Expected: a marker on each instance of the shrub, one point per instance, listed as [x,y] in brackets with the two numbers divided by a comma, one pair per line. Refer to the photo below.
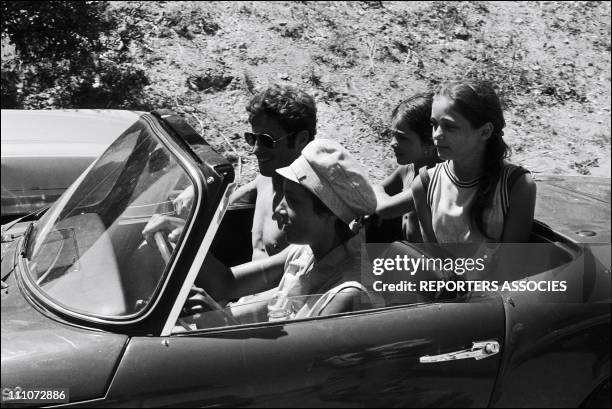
[68,54]
[55,30]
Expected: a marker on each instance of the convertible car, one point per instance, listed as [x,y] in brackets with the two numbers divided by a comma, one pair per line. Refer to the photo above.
[44,151]
[104,318]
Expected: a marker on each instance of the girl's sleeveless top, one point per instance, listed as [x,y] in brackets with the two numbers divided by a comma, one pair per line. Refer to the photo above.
[451,200]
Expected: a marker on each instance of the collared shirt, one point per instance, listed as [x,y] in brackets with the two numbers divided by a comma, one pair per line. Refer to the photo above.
[305,280]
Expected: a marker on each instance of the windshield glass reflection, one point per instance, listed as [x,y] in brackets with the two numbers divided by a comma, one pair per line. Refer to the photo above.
[88,253]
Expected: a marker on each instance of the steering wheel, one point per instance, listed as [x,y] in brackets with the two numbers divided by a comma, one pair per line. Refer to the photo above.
[198,300]
[163,245]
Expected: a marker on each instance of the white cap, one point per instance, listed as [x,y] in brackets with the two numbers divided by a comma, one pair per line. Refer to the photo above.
[334,176]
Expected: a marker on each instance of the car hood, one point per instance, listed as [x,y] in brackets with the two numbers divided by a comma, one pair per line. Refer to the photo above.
[64,133]
[576,206]
[43,152]
[33,142]
[39,351]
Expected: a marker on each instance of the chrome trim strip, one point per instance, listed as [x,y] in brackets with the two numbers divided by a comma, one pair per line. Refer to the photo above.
[197,262]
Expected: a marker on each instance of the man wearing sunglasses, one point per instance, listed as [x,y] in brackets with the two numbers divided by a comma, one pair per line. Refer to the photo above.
[283,120]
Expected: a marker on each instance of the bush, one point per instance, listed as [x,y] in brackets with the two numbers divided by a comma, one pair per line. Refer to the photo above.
[68,54]
[56,30]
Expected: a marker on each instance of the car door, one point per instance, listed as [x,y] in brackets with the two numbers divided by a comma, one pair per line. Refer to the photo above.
[396,356]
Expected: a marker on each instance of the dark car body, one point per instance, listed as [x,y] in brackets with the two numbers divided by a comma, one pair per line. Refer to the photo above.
[554,349]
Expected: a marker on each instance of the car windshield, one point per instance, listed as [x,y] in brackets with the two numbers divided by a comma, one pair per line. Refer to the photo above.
[88,253]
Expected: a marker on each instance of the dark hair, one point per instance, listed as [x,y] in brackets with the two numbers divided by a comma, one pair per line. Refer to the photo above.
[295,110]
[478,103]
[415,112]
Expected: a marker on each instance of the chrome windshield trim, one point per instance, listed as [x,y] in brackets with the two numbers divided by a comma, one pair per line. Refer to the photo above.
[198,261]
[194,173]
[26,239]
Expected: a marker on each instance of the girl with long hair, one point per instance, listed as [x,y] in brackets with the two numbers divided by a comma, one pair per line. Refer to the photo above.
[475,195]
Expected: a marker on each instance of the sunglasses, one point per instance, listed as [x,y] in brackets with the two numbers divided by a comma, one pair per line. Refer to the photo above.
[263,138]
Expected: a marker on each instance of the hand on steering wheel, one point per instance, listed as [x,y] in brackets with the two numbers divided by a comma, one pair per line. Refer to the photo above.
[182,203]
[199,301]
[161,231]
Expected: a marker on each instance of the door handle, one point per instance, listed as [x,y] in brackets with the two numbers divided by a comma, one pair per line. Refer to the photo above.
[479,350]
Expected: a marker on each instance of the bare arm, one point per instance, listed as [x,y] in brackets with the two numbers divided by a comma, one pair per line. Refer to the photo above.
[519,220]
[224,283]
[258,275]
[517,229]
[395,206]
[245,193]
[391,185]
[343,301]
[392,200]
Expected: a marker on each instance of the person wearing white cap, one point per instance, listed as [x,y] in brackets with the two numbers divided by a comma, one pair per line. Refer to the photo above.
[323,190]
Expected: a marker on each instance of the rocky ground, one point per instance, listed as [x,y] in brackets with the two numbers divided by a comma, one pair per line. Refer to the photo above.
[549,59]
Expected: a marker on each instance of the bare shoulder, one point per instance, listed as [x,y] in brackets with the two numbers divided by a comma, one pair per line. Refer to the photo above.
[260,180]
[525,187]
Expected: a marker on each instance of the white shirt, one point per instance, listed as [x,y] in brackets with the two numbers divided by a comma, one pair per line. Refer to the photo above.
[305,280]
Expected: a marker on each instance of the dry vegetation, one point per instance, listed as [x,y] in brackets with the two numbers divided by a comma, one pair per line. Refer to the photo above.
[550,61]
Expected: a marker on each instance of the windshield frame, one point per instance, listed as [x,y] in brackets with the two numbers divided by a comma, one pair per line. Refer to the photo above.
[196,176]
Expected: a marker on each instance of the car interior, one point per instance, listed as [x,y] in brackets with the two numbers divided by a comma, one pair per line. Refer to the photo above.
[128,293]
[549,252]
[134,277]
[236,227]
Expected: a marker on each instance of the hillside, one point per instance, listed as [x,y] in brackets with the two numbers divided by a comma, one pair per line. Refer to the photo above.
[550,60]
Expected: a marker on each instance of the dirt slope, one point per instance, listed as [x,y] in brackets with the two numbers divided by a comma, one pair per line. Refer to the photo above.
[551,61]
